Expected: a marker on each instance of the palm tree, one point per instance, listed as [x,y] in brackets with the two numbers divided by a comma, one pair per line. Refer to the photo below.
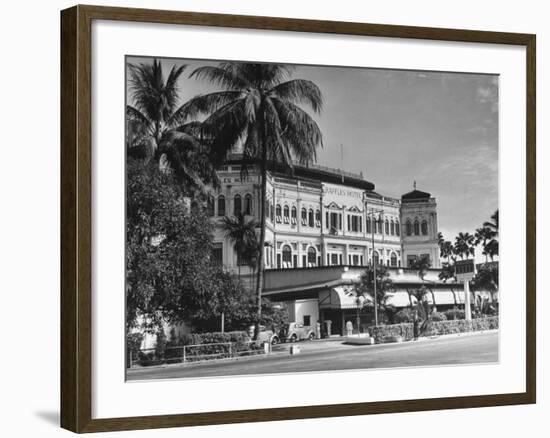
[241,231]
[491,248]
[422,265]
[445,247]
[384,288]
[464,245]
[440,239]
[448,273]
[493,223]
[483,236]
[258,110]
[155,129]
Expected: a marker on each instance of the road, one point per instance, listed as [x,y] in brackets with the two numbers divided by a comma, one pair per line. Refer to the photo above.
[335,355]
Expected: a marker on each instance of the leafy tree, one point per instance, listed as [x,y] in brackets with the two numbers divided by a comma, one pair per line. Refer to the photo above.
[258,109]
[155,128]
[169,272]
[384,288]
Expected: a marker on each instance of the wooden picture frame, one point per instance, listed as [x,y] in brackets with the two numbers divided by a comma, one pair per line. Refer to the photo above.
[76,218]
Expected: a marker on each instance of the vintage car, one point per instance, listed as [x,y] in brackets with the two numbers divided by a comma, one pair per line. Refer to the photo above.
[295,331]
[265,335]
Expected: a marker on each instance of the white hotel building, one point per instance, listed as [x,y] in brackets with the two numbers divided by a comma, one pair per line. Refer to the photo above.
[323,226]
[327,217]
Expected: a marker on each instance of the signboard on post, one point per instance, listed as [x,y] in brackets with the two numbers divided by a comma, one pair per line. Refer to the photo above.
[465,271]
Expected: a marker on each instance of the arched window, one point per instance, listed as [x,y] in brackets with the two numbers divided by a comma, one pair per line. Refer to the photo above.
[387,227]
[267,204]
[369,225]
[248,204]
[392,227]
[408,227]
[294,214]
[393,259]
[397,228]
[318,218]
[376,258]
[210,206]
[287,257]
[221,205]
[304,216]
[311,220]
[416,228]
[278,213]
[286,214]
[237,207]
[424,227]
[379,226]
[311,256]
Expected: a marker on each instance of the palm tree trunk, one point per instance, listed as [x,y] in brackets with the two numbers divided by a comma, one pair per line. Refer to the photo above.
[260,272]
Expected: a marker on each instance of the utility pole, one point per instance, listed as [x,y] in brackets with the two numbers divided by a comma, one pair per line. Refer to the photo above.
[374,263]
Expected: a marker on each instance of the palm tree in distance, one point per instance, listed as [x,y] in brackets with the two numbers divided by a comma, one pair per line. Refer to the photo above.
[155,128]
[241,231]
[464,245]
[258,109]
[493,223]
[483,237]
[422,265]
[491,248]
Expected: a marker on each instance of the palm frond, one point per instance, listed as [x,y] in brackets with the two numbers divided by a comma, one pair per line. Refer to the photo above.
[202,104]
[300,91]
[299,130]
[224,77]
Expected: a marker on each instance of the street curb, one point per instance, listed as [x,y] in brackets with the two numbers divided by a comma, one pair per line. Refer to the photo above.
[342,340]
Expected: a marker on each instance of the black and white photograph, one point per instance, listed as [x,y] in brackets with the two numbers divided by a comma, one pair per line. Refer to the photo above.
[287,218]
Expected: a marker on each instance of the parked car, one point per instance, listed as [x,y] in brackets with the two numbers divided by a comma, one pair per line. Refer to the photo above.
[265,335]
[295,331]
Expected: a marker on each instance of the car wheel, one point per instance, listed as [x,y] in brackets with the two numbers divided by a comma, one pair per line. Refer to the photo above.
[274,340]
[311,336]
[293,338]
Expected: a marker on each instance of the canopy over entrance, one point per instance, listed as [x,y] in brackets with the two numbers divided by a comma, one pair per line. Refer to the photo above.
[341,297]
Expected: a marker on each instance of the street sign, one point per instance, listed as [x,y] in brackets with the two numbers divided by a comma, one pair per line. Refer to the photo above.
[464,269]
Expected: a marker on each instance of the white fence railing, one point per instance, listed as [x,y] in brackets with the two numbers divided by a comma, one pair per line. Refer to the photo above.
[195,353]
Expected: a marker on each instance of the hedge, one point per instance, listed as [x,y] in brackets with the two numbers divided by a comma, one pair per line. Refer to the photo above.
[205,346]
[436,328]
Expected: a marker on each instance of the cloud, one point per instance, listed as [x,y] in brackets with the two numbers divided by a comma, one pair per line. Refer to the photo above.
[488,95]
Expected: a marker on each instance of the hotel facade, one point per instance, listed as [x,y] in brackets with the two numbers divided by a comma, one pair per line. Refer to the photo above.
[323,227]
[326,217]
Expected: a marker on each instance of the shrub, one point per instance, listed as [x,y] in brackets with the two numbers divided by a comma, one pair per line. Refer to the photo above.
[455,313]
[404,316]
[438,316]
[382,333]
[207,345]
[133,345]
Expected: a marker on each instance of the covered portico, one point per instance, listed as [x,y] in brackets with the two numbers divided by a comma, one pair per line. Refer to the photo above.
[333,288]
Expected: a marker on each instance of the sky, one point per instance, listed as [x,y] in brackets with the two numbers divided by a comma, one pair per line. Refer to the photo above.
[439,129]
